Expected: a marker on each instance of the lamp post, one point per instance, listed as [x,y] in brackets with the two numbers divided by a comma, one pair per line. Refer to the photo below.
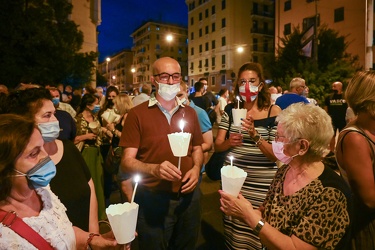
[107,61]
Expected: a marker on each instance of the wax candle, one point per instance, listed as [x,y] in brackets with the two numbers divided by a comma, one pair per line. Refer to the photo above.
[136,180]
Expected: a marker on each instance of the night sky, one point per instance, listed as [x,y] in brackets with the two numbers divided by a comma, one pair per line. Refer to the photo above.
[121,17]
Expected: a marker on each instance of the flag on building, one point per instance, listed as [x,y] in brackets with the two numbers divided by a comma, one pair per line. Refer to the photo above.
[307,41]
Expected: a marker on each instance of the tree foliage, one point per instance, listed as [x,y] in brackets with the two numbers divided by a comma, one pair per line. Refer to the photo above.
[333,64]
[40,44]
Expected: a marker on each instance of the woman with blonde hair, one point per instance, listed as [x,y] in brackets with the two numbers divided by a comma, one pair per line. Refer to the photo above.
[121,105]
[355,155]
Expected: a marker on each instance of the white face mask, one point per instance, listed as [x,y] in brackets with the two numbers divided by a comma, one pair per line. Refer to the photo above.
[168,92]
[278,150]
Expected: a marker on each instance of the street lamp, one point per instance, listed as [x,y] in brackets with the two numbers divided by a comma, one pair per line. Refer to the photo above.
[114,79]
[169,38]
[107,61]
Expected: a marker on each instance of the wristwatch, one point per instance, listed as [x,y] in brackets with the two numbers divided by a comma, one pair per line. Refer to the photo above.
[258,227]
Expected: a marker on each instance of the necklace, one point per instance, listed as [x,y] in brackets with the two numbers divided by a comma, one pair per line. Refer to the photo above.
[295,178]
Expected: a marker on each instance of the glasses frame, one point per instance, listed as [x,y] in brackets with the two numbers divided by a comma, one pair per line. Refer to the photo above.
[173,76]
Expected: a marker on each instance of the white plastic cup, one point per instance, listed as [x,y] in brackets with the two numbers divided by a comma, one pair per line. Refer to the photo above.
[123,221]
[232,179]
[94,127]
[237,115]
[179,143]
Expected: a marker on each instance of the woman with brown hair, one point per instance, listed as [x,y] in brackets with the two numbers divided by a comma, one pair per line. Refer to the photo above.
[251,149]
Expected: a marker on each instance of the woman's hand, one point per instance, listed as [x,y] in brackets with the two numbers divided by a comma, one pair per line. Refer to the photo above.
[110,126]
[238,207]
[248,125]
[235,139]
[90,136]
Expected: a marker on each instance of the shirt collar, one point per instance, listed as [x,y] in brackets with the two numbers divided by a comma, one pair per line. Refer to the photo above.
[153,101]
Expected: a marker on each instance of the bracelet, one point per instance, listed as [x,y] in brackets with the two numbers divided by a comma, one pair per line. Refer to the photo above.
[259,227]
[114,131]
[89,239]
[259,142]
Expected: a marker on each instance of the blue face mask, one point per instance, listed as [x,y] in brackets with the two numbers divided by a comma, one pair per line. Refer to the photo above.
[50,130]
[96,109]
[41,174]
[56,101]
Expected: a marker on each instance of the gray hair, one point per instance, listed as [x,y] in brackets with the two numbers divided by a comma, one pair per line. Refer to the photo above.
[296,82]
[310,122]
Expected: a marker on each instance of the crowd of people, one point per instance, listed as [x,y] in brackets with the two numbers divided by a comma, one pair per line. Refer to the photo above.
[63,151]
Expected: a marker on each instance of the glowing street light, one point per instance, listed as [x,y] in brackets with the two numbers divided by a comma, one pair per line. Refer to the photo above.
[240,49]
[169,38]
[107,61]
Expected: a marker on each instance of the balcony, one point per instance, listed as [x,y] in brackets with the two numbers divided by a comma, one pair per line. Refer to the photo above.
[262,31]
[265,14]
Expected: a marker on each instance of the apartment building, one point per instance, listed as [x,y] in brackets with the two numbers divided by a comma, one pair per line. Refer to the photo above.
[117,70]
[352,19]
[87,15]
[153,40]
[224,34]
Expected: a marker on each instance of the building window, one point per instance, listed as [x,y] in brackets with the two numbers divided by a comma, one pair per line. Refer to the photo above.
[287,29]
[206,46]
[223,41]
[213,80]
[287,5]
[157,37]
[213,61]
[223,80]
[308,22]
[255,59]
[191,65]
[213,44]
[265,46]
[223,59]
[339,14]
[223,4]
[206,13]
[223,23]
[206,63]
[265,28]
[255,44]
[192,21]
[192,36]
[157,28]
[200,16]
[200,48]
[200,64]
[213,10]
[206,30]
[200,32]
[213,27]
[192,51]
[255,8]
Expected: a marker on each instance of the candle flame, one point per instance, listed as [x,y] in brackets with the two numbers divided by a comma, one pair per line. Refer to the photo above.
[137,178]
[182,125]
[238,98]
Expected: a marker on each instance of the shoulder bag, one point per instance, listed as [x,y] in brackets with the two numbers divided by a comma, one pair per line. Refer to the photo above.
[12,221]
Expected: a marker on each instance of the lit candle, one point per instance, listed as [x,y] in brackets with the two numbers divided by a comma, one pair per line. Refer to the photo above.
[182,124]
[136,180]
[231,160]
[238,102]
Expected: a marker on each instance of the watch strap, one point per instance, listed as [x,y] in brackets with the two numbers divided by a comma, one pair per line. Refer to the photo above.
[259,227]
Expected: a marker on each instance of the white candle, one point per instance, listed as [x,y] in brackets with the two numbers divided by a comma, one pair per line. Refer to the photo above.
[182,124]
[136,180]
[231,160]
[238,102]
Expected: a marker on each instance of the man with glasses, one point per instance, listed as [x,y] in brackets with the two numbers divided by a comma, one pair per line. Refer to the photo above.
[296,93]
[168,197]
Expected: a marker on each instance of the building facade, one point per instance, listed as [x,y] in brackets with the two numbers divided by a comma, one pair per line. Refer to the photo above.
[224,34]
[117,70]
[153,40]
[352,19]
[87,15]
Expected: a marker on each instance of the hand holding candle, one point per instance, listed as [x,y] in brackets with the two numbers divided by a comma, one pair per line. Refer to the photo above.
[179,142]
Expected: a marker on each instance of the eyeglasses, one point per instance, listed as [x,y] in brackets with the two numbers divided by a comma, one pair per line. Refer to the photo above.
[277,137]
[165,76]
[244,81]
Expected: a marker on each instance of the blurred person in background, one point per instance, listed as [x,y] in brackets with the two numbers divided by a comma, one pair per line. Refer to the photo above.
[222,103]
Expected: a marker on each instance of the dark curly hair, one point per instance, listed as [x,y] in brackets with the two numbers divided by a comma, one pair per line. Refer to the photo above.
[15,133]
[264,97]
[26,102]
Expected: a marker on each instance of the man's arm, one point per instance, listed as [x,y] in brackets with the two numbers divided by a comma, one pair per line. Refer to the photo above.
[192,176]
